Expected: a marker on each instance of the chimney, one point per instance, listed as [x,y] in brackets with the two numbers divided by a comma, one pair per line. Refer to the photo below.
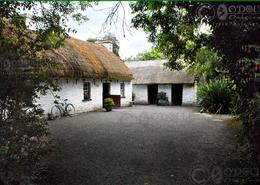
[112,46]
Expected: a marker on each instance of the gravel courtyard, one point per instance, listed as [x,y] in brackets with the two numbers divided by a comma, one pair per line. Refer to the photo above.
[140,145]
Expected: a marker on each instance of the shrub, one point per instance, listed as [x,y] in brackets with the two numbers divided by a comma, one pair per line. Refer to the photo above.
[109,102]
[215,96]
[23,144]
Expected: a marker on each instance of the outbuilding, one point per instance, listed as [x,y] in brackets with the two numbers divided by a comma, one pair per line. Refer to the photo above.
[151,77]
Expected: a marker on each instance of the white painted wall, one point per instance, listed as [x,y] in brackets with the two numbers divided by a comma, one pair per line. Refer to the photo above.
[141,94]
[167,89]
[128,94]
[74,93]
[189,94]
[115,90]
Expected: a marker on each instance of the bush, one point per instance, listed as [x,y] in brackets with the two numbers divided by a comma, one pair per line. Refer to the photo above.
[23,144]
[215,96]
[109,102]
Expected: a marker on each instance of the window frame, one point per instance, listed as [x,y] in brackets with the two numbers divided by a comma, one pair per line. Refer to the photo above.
[122,91]
[88,89]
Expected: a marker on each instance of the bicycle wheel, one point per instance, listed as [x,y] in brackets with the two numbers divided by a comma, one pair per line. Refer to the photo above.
[56,112]
[70,109]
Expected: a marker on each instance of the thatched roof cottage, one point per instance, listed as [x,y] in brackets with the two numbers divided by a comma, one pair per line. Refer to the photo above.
[151,77]
[88,73]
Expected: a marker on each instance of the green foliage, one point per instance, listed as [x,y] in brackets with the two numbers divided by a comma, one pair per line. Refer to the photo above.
[151,54]
[171,28]
[215,96]
[206,64]
[23,142]
[109,102]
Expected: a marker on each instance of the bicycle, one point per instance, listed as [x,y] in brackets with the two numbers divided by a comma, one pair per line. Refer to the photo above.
[62,108]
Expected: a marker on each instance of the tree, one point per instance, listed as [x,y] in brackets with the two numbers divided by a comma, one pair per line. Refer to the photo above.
[151,54]
[24,75]
[170,28]
[206,64]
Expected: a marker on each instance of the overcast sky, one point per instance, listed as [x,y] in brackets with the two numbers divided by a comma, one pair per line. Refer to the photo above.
[134,42]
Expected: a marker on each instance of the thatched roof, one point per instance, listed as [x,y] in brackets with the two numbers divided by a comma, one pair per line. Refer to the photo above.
[153,72]
[86,59]
[76,59]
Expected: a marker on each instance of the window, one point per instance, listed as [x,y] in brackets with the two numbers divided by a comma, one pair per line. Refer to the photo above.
[86,91]
[122,89]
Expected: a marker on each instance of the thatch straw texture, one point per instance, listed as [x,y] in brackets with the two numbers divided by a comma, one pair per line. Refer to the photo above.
[153,72]
[76,58]
[86,59]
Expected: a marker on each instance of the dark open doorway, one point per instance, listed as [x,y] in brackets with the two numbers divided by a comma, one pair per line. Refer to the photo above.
[177,94]
[106,91]
[152,93]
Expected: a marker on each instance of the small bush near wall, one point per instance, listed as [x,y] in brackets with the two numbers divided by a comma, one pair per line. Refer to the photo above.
[108,104]
[215,96]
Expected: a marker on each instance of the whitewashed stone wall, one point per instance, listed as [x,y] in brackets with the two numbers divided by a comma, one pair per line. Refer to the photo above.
[141,94]
[115,90]
[189,94]
[128,94]
[73,91]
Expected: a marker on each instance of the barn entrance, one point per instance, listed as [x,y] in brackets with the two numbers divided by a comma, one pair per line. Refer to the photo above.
[106,91]
[152,93]
[177,94]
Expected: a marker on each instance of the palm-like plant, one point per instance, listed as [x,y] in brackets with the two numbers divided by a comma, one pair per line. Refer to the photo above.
[215,96]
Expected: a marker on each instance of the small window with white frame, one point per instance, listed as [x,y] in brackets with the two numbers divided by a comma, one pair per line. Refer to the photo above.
[86,91]
[122,89]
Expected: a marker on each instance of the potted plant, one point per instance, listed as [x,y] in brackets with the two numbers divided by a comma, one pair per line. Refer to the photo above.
[108,104]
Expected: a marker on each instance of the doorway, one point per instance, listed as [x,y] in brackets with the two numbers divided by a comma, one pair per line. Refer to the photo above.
[106,91]
[152,93]
[177,94]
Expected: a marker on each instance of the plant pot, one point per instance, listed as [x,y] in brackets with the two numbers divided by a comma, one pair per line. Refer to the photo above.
[108,108]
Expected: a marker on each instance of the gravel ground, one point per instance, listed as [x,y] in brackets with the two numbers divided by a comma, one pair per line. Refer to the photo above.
[140,145]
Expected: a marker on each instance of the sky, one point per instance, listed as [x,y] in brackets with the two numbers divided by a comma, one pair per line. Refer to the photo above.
[134,41]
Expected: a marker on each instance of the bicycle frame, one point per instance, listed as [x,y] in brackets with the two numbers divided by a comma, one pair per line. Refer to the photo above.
[61,104]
